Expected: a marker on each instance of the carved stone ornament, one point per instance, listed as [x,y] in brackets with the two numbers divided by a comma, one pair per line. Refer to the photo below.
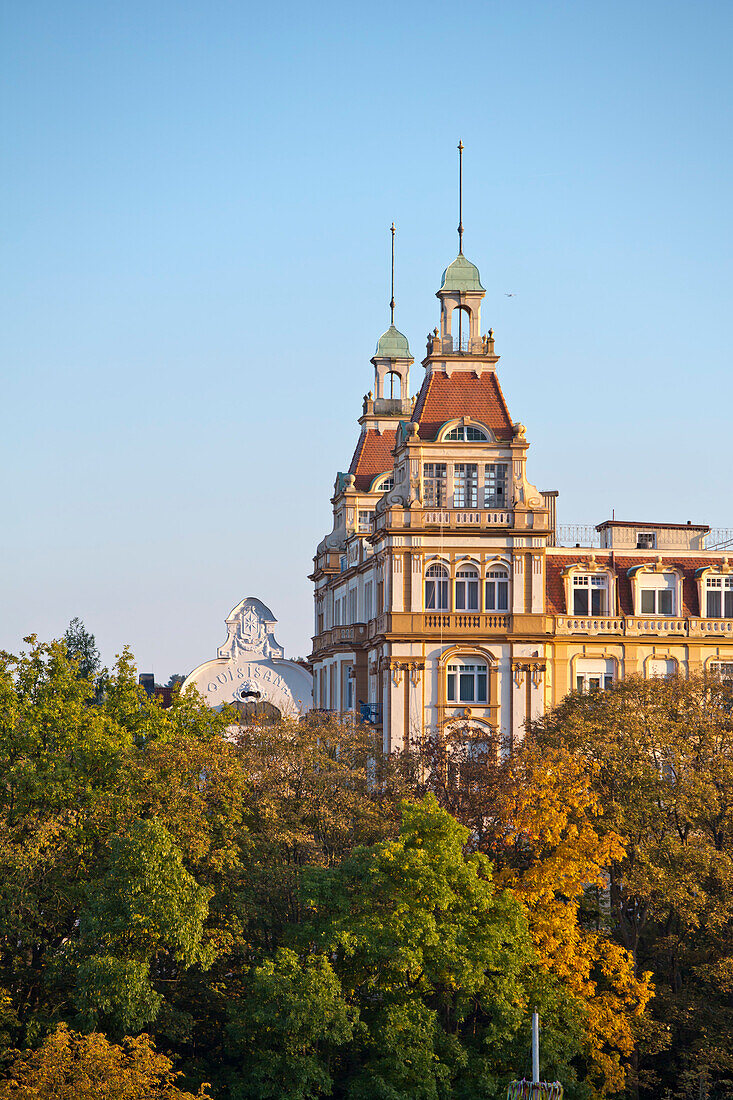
[252,666]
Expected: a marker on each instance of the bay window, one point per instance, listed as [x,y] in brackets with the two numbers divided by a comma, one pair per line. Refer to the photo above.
[495,484]
[465,485]
[434,484]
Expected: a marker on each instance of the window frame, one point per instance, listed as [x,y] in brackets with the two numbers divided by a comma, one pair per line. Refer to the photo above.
[459,673]
[465,485]
[582,582]
[466,433]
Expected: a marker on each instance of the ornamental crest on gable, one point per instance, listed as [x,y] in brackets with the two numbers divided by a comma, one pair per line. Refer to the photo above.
[250,631]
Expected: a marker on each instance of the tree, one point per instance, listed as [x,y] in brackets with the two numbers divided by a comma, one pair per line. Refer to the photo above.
[412,979]
[81,647]
[535,815]
[659,758]
[69,1066]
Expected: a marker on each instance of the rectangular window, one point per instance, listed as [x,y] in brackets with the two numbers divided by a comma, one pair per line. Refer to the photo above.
[380,597]
[434,483]
[497,591]
[591,681]
[465,486]
[646,540]
[352,605]
[365,521]
[337,612]
[495,484]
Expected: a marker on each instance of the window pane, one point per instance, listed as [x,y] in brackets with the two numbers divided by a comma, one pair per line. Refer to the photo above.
[442,595]
[729,605]
[466,687]
[580,604]
[579,683]
[599,601]
[481,687]
[430,595]
[451,687]
[460,595]
[714,605]
[490,596]
[502,592]
[473,595]
[607,681]
[647,601]
[664,601]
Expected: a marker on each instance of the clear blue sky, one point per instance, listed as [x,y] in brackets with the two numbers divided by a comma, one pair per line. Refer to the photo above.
[195,200]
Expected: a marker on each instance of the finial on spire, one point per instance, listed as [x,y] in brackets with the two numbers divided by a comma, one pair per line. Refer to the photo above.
[460,198]
[391,301]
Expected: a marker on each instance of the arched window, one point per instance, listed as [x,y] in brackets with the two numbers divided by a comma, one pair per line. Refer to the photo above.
[467,589]
[497,589]
[385,484]
[467,681]
[460,327]
[466,433]
[436,588]
[392,385]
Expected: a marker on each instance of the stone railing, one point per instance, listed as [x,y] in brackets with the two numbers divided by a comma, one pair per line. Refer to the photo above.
[637,626]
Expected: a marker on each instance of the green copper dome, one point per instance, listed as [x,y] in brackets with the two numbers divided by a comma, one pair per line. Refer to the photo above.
[461,275]
[392,345]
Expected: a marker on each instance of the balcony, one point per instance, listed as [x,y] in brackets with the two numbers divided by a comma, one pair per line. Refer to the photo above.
[370,713]
[637,626]
[344,637]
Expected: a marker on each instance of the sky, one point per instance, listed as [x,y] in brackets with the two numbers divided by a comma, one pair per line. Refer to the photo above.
[195,204]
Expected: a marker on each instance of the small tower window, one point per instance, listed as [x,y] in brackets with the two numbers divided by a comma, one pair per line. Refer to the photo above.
[393,386]
[436,588]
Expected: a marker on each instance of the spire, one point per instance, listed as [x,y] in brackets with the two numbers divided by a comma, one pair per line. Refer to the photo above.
[460,198]
[391,301]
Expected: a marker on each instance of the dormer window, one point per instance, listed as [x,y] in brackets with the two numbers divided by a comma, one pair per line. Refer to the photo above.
[590,594]
[466,433]
[386,484]
[657,592]
[719,597]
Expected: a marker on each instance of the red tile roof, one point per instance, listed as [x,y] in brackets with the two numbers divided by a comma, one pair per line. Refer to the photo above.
[373,456]
[556,587]
[463,394]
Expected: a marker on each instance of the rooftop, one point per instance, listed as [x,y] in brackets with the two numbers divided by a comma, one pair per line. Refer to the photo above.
[461,275]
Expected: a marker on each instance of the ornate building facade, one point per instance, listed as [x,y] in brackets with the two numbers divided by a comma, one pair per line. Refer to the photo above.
[441,593]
